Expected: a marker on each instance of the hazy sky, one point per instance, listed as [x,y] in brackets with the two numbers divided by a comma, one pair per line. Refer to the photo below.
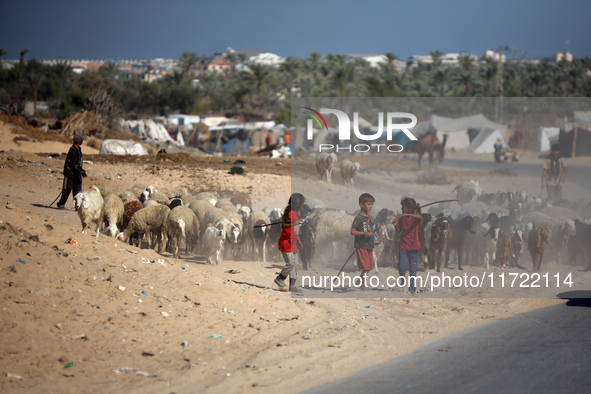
[139,29]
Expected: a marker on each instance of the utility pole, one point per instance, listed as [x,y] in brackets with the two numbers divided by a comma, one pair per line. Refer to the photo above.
[499,103]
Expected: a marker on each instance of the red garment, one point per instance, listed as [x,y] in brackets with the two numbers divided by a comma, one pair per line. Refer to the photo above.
[364,259]
[288,239]
[409,234]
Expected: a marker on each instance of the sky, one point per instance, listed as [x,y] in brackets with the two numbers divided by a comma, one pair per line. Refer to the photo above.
[147,29]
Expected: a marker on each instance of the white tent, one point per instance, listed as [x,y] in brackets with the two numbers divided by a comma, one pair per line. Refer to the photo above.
[457,129]
[149,130]
[485,140]
[122,148]
[545,136]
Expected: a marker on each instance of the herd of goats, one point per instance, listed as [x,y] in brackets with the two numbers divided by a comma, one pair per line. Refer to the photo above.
[483,229]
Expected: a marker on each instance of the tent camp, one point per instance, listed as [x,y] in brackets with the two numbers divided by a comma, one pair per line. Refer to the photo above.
[457,129]
[122,148]
[546,137]
[148,130]
[485,140]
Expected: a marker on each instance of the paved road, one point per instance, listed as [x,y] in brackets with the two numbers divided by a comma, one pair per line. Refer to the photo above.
[579,173]
[543,351]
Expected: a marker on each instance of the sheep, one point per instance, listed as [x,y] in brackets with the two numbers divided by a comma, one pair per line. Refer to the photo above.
[348,172]
[181,223]
[128,196]
[113,213]
[308,238]
[89,205]
[243,199]
[213,216]
[314,202]
[140,186]
[324,165]
[150,190]
[205,196]
[562,213]
[145,220]
[200,208]
[213,240]
[150,203]
[106,190]
[235,234]
[440,231]
[175,202]
[561,227]
[467,191]
[579,243]
[159,197]
[129,208]
[536,244]
[275,216]
[560,238]
[504,248]
[225,205]
[334,226]
[259,235]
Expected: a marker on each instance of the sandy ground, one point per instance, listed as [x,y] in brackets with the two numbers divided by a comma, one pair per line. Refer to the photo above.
[103,316]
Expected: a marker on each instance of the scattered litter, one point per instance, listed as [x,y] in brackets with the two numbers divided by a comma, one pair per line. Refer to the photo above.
[236,170]
[239,161]
[29,254]
[143,260]
[21,261]
[243,289]
[227,160]
[216,336]
[81,336]
[68,365]
[121,288]
[185,344]
[121,371]
[367,306]
[13,376]
[182,268]
[232,272]
[10,205]
[144,292]
[164,314]
[147,354]
[131,251]
[161,262]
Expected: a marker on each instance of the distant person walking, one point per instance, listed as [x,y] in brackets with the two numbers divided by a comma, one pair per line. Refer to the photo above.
[73,172]
[554,174]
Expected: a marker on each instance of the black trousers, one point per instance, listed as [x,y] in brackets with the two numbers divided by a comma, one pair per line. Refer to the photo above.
[70,185]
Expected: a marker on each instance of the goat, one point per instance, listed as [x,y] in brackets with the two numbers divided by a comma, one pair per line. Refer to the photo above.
[459,228]
[382,232]
[440,231]
[516,247]
[504,248]
[348,172]
[536,244]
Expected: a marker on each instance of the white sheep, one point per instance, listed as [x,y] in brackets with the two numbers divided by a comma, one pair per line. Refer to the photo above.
[128,196]
[213,240]
[200,208]
[205,196]
[467,191]
[333,226]
[324,164]
[89,205]
[159,197]
[146,220]
[150,203]
[348,172]
[113,214]
[181,224]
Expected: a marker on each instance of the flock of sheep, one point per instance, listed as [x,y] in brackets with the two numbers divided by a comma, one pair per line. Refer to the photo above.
[205,220]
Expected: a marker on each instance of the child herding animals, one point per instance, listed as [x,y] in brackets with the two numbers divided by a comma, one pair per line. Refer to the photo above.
[408,227]
[363,230]
[289,241]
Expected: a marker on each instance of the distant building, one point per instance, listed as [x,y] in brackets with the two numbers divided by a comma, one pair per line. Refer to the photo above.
[564,55]
[490,54]
[267,59]
[220,65]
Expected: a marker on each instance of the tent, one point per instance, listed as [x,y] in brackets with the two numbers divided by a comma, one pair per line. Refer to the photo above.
[583,143]
[148,130]
[485,140]
[122,148]
[457,129]
[546,136]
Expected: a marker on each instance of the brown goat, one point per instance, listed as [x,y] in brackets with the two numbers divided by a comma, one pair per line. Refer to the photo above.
[536,244]
[504,248]
[242,199]
[438,241]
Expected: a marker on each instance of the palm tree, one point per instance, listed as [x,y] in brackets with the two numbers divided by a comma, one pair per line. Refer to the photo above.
[289,72]
[188,60]
[391,57]
[466,62]
[2,52]
[34,75]
[22,57]
[261,75]
[436,57]
[467,79]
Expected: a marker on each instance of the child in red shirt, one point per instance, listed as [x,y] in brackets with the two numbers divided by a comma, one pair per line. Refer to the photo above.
[408,227]
[289,241]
